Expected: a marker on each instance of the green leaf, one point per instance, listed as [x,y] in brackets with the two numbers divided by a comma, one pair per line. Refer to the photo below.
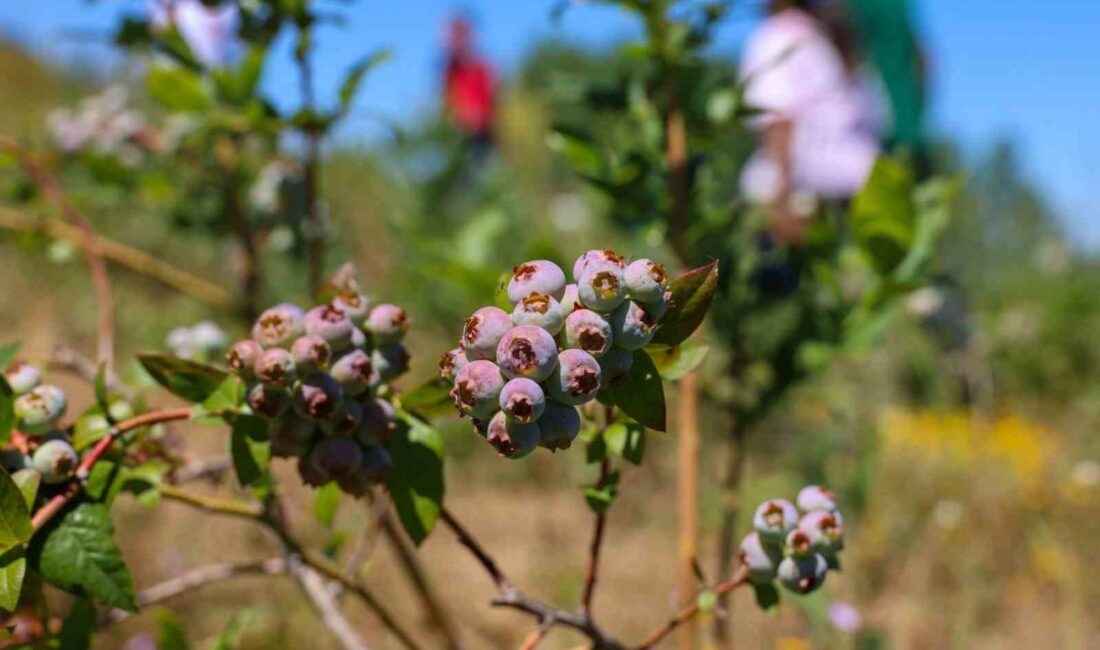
[105,481]
[767,596]
[15,518]
[177,89]
[641,394]
[192,381]
[692,294]
[675,362]
[600,497]
[580,153]
[89,428]
[79,556]
[326,502]
[430,399]
[7,353]
[13,569]
[355,77]
[626,439]
[28,481]
[231,636]
[416,480]
[249,449]
[79,626]
[7,410]
[883,215]
[227,398]
[170,631]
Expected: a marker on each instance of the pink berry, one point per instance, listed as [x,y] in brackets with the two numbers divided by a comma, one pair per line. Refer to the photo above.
[586,330]
[276,367]
[353,371]
[512,439]
[311,354]
[451,362]
[483,331]
[577,378]
[538,276]
[388,324]
[477,389]
[317,397]
[331,324]
[527,351]
[522,400]
[241,358]
[597,259]
[278,326]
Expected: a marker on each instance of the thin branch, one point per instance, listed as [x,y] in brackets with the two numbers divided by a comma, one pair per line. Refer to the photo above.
[313,586]
[69,360]
[197,578]
[594,548]
[315,243]
[54,505]
[203,468]
[212,504]
[688,613]
[101,281]
[535,637]
[125,256]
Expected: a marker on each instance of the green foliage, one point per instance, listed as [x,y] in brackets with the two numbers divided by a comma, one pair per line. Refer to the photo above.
[415,482]
[77,554]
[171,634]
[692,295]
[640,394]
[78,630]
[249,449]
[13,570]
[326,502]
[191,380]
[15,520]
[675,362]
[600,496]
[7,409]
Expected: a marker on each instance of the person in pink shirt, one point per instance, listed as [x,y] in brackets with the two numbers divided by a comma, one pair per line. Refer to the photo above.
[469,87]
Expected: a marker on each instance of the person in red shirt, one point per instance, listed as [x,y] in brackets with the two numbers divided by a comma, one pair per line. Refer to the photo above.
[469,86]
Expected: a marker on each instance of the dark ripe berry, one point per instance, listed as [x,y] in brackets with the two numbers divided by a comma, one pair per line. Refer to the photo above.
[522,400]
[336,457]
[387,324]
[278,326]
[527,351]
[558,426]
[290,435]
[311,475]
[390,362]
[451,362]
[276,367]
[56,461]
[537,276]
[615,365]
[512,439]
[346,420]
[379,420]
[311,354]
[477,389]
[354,372]
[268,401]
[483,331]
[803,575]
[317,397]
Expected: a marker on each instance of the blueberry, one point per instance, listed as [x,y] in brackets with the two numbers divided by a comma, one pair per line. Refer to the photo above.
[331,324]
[597,259]
[512,439]
[38,410]
[586,330]
[815,497]
[290,435]
[279,326]
[345,420]
[633,326]
[825,531]
[646,280]
[379,420]
[317,397]
[22,378]
[483,331]
[798,544]
[527,351]
[570,300]
[451,362]
[352,303]
[538,276]
[615,365]
[336,457]
[803,574]
[55,460]
[387,324]
[276,367]
[477,389]
[760,559]
[601,289]
[372,470]
[241,358]
[558,426]
[577,378]
[522,400]
[390,361]
[354,372]
[311,354]
[268,401]
[540,310]
[774,520]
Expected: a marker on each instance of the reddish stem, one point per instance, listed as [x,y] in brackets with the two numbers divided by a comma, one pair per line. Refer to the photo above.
[688,613]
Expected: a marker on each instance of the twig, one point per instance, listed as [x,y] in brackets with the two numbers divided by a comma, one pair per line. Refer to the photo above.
[511,597]
[128,257]
[535,637]
[315,243]
[212,504]
[594,548]
[101,281]
[197,578]
[731,507]
[313,586]
[54,505]
[68,359]
[203,468]
[688,613]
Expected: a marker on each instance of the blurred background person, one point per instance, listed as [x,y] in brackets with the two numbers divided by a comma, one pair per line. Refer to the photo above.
[895,56]
[208,29]
[468,87]
[819,139]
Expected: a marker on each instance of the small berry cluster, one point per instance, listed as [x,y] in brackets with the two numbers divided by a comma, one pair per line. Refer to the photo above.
[799,551]
[38,408]
[319,377]
[520,376]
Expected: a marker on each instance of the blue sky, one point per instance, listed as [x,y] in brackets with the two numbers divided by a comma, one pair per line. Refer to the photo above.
[1025,69]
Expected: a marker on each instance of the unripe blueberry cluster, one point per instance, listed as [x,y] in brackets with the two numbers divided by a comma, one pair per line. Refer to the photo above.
[797,549]
[319,377]
[38,408]
[520,376]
